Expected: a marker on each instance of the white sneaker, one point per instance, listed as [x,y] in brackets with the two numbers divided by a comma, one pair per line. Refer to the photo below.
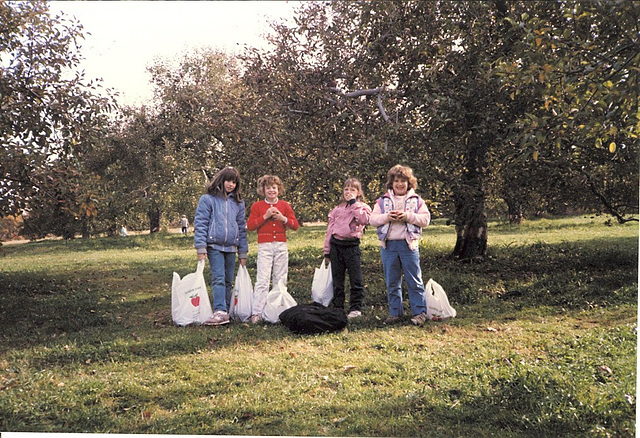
[219,317]
[420,319]
[354,314]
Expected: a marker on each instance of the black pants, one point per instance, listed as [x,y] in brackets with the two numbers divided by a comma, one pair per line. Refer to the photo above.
[346,258]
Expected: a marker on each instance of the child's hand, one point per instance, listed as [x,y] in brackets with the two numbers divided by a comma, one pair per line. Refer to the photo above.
[397,216]
[271,212]
[279,216]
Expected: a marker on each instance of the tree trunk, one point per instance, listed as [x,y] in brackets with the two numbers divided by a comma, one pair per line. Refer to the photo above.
[154,215]
[515,211]
[471,224]
[470,216]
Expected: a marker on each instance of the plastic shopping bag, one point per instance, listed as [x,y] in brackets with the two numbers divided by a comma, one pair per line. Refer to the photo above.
[278,300]
[322,285]
[242,297]
[438,307]
[189,298]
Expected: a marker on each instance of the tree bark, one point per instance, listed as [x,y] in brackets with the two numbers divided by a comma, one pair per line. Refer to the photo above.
[154,215]
[471,225]
[515,211]
[470,215]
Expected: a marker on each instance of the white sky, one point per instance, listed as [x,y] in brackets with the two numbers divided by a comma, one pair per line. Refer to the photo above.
[126,36]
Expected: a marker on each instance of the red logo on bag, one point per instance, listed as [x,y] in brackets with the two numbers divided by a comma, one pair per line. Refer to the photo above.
[195,301]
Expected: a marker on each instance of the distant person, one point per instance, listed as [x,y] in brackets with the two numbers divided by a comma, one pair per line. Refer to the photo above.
[123,231]
[220,233]
[342,246]
[400,214]
[271,217]
[184,224]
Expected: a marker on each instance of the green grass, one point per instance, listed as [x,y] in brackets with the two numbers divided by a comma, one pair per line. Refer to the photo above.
[544,343]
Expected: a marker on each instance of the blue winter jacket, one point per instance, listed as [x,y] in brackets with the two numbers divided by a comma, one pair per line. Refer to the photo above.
[219,223]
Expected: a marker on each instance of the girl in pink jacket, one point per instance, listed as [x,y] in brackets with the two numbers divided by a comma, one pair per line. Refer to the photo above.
[342,246]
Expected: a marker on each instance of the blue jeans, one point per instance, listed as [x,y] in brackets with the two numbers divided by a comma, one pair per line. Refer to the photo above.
[223,266]
[398,259]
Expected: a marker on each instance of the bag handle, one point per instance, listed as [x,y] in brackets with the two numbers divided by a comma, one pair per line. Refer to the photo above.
[200,267]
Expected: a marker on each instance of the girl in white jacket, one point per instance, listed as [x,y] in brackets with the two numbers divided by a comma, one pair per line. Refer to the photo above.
[399,215]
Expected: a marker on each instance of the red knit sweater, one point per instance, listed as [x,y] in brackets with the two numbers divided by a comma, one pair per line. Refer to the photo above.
[271,230]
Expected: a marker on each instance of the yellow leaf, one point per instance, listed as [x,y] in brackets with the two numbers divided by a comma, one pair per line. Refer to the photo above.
[536,154]
[598,143]
[612,147]
[538,42]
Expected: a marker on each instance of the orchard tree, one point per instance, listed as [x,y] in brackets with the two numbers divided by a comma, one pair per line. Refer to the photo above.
[423,83]
[159,157]
[375,83]
[50,116]
[581,62]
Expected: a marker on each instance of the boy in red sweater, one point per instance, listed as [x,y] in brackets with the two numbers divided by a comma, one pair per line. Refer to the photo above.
[270,217]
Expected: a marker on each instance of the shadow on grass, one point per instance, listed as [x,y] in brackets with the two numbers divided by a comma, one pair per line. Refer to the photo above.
[124,313]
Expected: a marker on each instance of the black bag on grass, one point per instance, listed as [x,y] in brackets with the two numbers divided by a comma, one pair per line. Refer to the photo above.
[313,318]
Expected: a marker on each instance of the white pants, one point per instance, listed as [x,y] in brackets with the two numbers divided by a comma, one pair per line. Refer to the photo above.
[273,257]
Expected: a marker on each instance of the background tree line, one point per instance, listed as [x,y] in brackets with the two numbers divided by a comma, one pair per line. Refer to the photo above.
[500,107]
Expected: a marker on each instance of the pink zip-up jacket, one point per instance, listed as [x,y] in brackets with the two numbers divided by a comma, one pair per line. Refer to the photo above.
[347,222]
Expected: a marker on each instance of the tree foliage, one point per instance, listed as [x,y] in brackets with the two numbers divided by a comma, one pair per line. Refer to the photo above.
[362,85]
[49,115]
[580,62]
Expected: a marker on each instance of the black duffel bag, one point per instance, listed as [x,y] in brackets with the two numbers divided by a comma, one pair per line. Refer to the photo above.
[313,318]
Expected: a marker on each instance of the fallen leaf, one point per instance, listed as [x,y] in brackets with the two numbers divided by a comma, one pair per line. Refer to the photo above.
[491,329]
[347,368]
[606,369]
[146,415]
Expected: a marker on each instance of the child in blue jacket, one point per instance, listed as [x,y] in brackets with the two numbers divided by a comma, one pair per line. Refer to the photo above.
[219,233]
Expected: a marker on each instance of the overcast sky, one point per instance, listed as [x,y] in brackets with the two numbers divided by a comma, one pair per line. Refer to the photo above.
[126,36]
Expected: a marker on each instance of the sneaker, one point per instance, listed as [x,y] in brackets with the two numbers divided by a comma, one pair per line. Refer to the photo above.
[392,320]
[354,314]
[219,317]
[255,319]
[420,318]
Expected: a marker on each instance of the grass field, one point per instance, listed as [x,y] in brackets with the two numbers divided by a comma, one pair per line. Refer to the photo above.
[544,343]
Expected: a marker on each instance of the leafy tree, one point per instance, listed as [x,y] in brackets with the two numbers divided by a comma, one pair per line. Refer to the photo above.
[580,61]
[397,82]
[158,158]
[426,83]
[49,115]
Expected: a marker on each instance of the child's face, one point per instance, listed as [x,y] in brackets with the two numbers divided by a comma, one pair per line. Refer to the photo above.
[400,185]
[349,193]
[271,192]
[229,186]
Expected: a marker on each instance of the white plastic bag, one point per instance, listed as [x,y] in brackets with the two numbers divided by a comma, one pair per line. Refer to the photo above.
[322,285]
[189,298]
[242,296]
[278,300]
[438,307]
